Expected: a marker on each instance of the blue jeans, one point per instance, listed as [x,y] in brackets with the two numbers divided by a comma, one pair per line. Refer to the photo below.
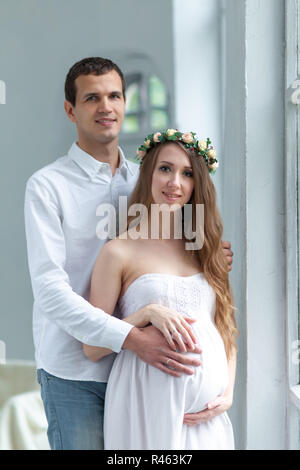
[74,411]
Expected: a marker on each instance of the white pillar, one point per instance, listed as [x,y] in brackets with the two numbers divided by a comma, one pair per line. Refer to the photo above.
[254,213]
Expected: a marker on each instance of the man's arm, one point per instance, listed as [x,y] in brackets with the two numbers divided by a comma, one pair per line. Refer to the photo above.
[50,282]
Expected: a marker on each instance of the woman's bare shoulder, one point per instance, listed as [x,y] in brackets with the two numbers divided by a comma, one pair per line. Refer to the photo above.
[121,247]
[114,253]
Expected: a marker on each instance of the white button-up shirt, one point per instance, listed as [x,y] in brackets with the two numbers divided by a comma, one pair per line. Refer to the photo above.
[61,202]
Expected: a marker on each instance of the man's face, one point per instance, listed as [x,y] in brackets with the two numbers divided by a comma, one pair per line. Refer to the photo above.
[99,109]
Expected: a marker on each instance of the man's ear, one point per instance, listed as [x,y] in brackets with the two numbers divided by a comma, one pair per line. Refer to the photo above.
[69,108]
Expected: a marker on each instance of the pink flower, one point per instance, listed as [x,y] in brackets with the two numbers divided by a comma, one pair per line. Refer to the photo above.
[214,166]
[187,138]
[141,154]
[156,137]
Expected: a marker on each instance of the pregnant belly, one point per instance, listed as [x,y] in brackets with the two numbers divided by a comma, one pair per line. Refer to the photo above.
[146,387]
[211,378]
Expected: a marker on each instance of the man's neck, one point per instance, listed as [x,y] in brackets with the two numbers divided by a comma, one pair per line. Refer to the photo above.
[107,153]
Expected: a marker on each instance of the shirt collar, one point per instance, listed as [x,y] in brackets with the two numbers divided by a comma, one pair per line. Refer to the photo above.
[124,166]
[92,166]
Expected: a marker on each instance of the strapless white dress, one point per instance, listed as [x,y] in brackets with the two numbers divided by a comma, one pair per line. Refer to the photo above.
[144,407]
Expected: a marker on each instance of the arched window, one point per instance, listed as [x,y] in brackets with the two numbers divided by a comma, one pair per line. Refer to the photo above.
[147,104]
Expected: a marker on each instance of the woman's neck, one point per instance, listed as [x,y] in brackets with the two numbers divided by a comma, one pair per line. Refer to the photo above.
[165,226]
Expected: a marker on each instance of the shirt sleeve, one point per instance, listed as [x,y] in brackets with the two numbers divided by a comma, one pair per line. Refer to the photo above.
[50,282]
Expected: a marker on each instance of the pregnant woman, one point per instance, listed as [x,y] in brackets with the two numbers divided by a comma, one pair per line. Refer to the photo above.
[145,408]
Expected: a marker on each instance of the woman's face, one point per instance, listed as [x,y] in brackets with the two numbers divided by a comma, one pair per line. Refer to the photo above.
[172,179]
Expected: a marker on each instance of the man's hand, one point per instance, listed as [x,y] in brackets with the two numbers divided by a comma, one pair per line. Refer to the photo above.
[151,347]
[228,253]
[221,404]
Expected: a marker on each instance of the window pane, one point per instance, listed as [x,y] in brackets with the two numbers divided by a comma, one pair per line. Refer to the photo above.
[157,92]
[159,119]
[131,124]
[132,98]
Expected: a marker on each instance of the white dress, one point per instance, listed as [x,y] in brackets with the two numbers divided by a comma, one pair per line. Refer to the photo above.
[144,407]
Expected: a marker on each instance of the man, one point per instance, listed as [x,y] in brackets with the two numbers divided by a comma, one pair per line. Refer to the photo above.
[60,217]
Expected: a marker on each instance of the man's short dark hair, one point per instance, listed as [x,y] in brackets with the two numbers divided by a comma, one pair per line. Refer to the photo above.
[91,65]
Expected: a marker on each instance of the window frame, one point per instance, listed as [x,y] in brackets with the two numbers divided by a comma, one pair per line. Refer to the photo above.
[130,79]
[145,111]
[292,183]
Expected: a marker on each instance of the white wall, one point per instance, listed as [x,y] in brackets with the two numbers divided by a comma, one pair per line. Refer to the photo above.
[234,194]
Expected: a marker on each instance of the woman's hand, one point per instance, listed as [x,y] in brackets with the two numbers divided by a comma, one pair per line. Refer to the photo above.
[175,327]
[221,404]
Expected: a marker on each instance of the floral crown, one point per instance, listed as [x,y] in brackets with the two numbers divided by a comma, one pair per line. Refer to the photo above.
[203,147]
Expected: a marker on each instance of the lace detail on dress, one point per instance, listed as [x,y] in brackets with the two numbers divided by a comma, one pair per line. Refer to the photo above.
[187,295]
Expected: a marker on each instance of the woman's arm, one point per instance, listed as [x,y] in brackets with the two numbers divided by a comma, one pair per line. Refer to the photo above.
[106,286]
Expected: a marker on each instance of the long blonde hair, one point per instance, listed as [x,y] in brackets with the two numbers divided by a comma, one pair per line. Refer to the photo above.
[210,257]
